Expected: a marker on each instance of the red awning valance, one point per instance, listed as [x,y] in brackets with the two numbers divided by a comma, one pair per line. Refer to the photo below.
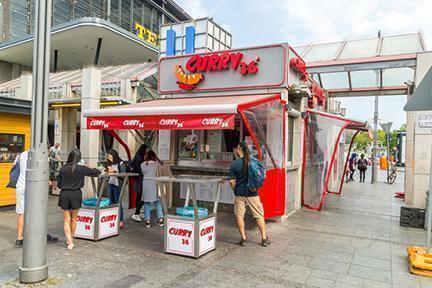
[209,113]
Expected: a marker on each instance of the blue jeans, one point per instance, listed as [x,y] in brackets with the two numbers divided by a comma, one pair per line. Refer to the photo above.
[147,207]
[114,195]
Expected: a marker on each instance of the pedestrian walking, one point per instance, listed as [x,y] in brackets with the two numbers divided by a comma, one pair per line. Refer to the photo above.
[70,181]
[352,165]
[362,167]
[151,168]
[115,165]
[244,196]
[20,167]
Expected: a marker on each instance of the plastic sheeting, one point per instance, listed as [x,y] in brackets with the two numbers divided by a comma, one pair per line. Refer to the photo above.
[265,123]
[321,142]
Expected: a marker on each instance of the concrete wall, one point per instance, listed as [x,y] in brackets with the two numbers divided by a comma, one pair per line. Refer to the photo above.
[418,150]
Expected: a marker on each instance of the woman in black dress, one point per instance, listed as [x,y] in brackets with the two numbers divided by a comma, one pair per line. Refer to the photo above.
[70,181]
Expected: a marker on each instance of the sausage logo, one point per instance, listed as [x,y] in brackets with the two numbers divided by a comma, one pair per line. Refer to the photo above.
[187,81]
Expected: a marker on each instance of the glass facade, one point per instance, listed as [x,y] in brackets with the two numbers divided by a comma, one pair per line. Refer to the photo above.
[18,21]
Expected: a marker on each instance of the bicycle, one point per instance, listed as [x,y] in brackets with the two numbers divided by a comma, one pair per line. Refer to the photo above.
[392,176]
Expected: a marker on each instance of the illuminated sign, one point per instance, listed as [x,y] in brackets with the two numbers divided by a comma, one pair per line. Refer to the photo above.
[146,35]
[213,62]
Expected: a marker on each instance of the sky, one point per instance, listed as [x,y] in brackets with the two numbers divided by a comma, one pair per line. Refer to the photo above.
[299,22]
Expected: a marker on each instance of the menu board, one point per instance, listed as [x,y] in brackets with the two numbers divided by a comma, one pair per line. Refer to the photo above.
[10,146]
[164,144]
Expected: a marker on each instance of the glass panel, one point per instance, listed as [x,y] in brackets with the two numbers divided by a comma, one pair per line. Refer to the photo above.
[210,42]
[200,41]
[300,49]
[228,40]
[217,32]
[218,144]
[335,80]
[10,146]
[361,48]
[19,19]
[401,44]
[114,17]
[210,27]
[322,52]
[397,76]
[178,43]
[290,152]
[125,19]
[188,144]
[147,15]
[163,31]
[62,11]
[81,9]
[137,12]
[97,8]
[367,78]
[200,26]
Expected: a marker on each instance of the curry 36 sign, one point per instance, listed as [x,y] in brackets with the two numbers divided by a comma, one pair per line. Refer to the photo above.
[250,68]
[199,64]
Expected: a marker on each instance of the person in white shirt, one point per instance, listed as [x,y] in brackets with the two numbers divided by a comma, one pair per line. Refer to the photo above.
[20,197]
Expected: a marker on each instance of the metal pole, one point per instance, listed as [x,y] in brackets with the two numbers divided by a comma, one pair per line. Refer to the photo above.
[429,214]
[375,143]
[34,266]
[388,156]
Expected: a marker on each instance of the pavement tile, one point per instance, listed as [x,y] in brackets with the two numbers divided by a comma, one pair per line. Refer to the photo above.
[329,265]
[370,273]
[372,262]
[375,284]
[345,281]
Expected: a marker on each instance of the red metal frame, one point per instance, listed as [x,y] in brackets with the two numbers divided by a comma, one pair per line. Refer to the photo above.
[345,166]
[362,60]
[284,79]
[348,122]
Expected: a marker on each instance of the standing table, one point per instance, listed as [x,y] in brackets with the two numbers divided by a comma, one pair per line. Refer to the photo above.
[96,222]
[189,236]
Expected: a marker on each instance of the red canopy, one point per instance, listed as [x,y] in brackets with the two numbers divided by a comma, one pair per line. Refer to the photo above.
[207,113]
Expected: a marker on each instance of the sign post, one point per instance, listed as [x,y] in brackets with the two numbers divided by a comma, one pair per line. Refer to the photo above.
[34,266]
[386,127]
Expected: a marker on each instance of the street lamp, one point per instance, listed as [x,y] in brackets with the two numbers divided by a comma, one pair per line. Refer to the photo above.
[34,266]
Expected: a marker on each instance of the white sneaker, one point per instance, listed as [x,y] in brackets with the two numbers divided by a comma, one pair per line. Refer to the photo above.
[137,218]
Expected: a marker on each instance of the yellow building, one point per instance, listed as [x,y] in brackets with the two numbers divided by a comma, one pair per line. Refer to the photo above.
[14,138]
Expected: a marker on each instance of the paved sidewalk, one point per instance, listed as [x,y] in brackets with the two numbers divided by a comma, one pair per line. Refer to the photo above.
[355,241]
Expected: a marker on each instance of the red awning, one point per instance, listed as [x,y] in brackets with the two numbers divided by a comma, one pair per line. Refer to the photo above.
[207,113]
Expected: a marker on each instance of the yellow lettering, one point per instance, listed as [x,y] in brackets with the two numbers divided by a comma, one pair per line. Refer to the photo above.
[140,30]
[146,34]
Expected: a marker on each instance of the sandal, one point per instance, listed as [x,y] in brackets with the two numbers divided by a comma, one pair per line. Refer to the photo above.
[147,224]
[242,242]
[70,246]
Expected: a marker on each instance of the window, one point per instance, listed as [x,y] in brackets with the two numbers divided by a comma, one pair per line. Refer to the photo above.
[125,19]
[61,11]
[137,12]
[188,144]
[10,146]
[290,151]
[218,144]
[114,16]
[19,19]
[147,16]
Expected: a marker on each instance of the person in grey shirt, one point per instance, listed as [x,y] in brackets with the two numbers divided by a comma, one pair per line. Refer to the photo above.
[150,168]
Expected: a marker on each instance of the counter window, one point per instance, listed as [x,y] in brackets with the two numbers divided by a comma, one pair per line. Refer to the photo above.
[10,146]
[188,144]
[218,144]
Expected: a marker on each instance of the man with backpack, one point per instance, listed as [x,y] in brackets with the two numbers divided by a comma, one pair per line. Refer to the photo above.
[246,172]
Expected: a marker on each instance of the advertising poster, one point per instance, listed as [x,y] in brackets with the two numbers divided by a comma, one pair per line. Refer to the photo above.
[207,239]
[108,222]
[85,224]
[180,237]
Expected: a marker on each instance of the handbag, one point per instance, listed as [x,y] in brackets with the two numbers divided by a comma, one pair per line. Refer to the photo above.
[14,174]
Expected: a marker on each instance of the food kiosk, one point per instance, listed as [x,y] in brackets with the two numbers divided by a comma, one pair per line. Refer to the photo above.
[212,101]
